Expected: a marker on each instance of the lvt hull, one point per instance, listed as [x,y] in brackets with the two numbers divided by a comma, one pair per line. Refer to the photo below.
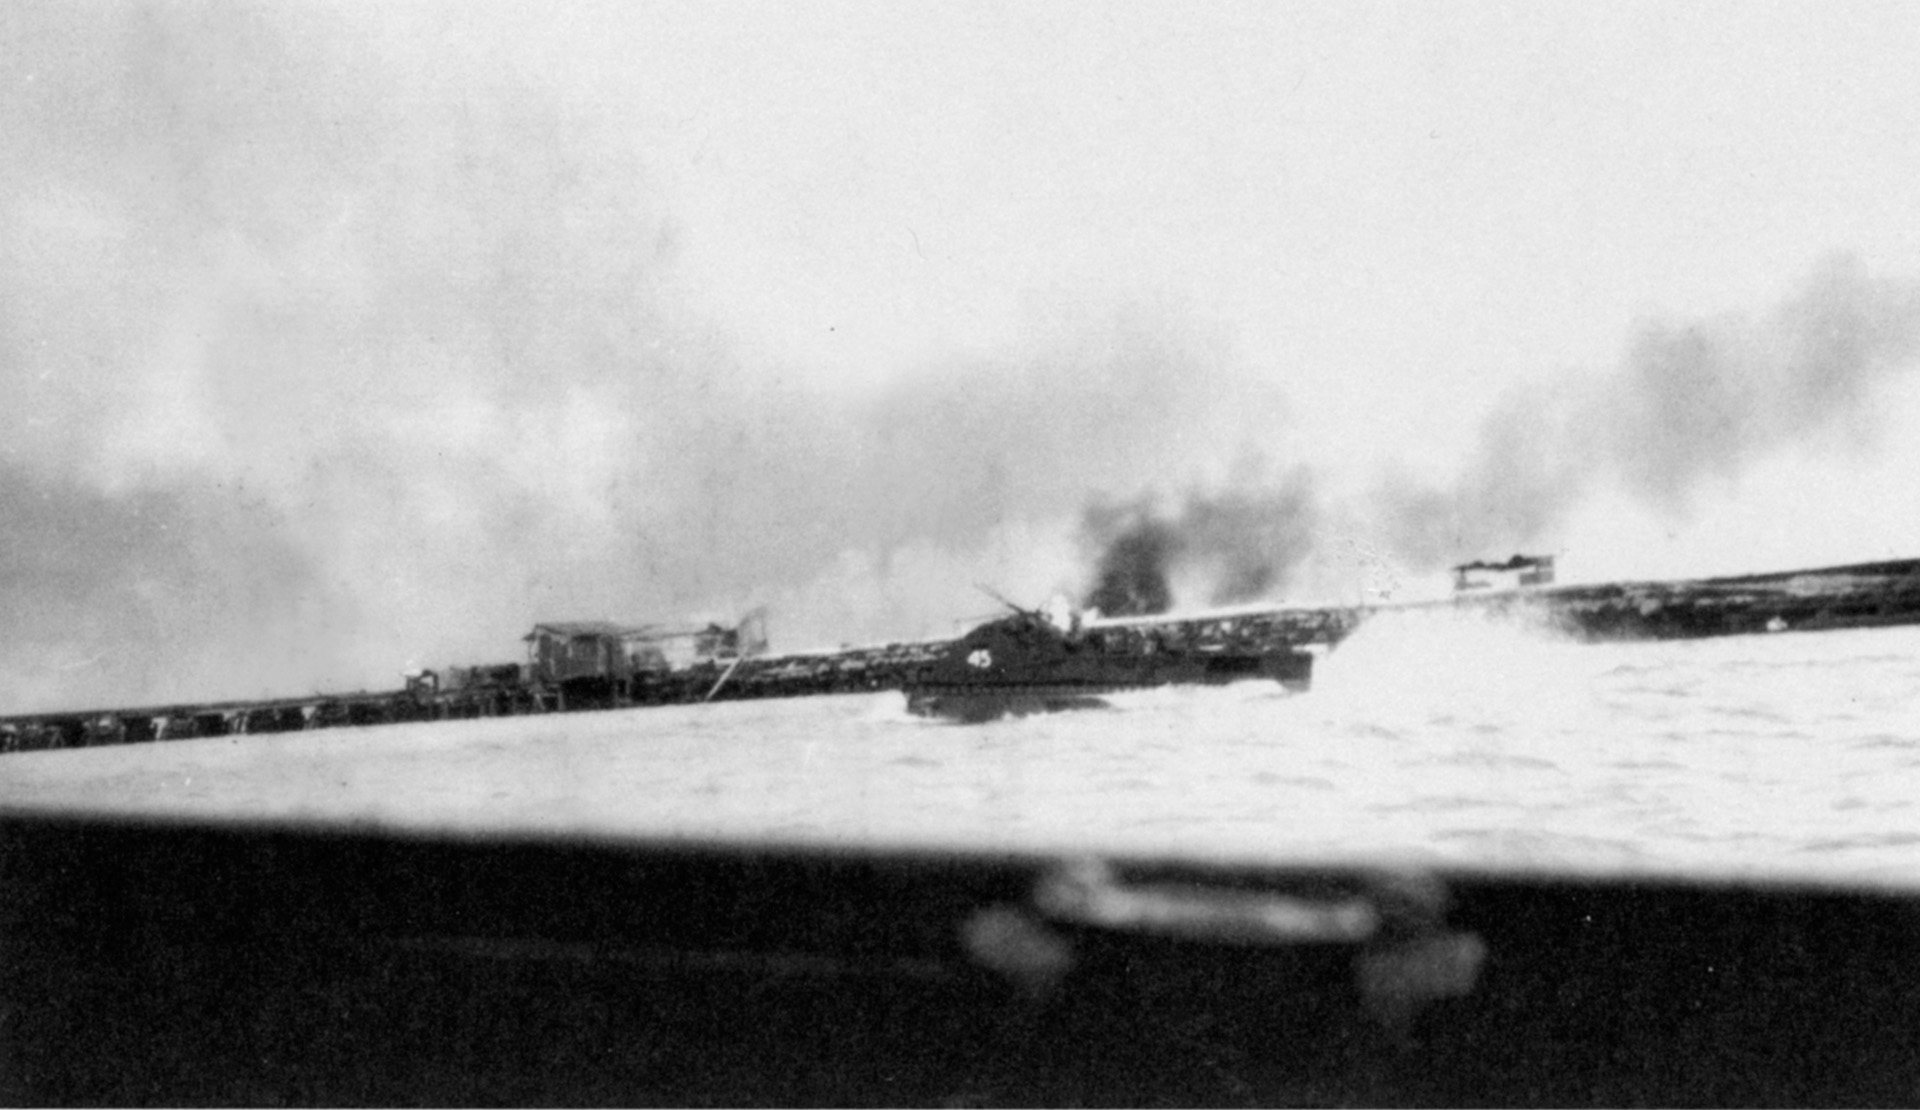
[1022,665]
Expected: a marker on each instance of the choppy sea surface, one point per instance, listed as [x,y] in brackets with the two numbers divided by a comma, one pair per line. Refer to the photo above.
[1427,739]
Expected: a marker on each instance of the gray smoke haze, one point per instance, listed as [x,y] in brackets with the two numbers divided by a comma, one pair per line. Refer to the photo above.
[318,362]
[1692,403]
[321,355]
[104,584]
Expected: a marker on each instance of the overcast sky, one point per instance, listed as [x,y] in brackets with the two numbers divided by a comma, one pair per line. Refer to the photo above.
[336,337]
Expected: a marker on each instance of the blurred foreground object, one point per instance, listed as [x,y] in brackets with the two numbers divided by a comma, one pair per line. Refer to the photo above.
[172,964]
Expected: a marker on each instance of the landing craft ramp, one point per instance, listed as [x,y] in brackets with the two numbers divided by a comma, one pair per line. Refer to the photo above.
[151,963]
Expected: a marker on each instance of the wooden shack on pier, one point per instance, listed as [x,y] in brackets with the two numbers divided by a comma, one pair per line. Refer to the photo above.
[563,651]
[602,662]
[1521,570]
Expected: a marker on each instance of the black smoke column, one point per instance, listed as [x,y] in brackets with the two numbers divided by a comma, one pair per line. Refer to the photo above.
[1133,571]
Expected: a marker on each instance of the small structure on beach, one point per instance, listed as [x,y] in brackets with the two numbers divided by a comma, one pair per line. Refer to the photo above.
[1521,570]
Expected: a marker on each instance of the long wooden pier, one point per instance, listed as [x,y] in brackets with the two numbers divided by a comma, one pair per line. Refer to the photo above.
[1853,596]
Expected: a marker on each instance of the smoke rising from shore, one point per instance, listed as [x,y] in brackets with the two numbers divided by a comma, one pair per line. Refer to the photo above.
[1692,403]
[1241,542]
[1131,578]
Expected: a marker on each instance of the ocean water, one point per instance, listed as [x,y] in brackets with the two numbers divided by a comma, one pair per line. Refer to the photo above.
[1427,739]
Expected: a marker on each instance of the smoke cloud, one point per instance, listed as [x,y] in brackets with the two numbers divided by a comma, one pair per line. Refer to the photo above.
[1132,578]
[322,357]
[1240,544]
[106,584]
[321,362]
[1693,403]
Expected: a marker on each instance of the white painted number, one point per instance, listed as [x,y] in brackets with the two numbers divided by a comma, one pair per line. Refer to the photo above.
[981,658]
